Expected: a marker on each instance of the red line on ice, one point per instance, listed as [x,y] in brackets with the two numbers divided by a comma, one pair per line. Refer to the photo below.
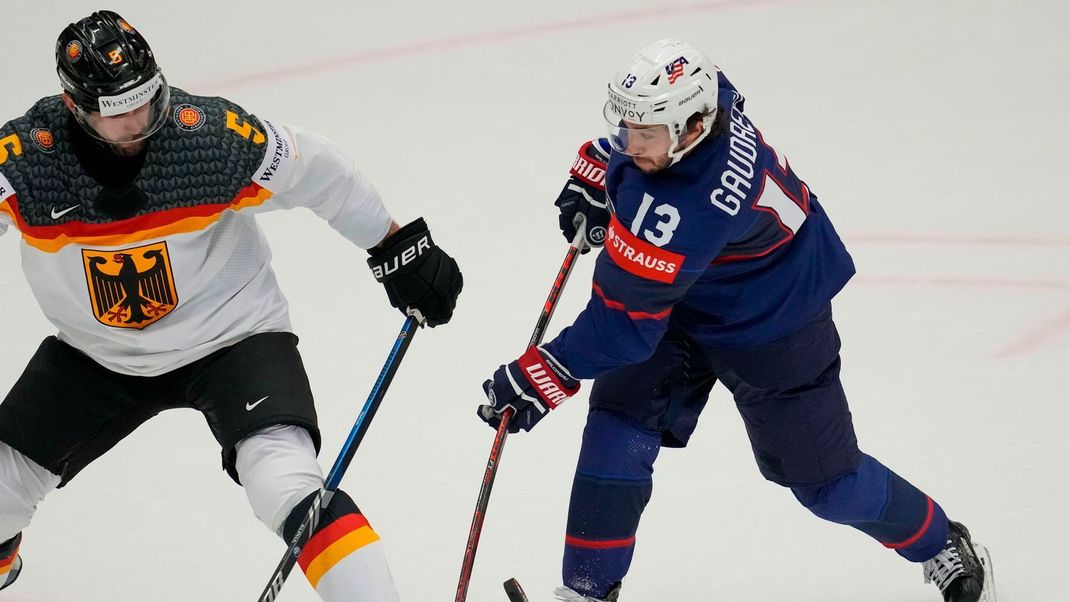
[403,51]
[1043,334]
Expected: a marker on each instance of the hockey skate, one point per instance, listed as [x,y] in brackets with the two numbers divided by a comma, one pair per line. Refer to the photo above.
[963,569]
[565,594]
[10,561]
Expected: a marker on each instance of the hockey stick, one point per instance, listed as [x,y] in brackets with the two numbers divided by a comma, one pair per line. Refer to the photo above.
[503,427]
[345,456]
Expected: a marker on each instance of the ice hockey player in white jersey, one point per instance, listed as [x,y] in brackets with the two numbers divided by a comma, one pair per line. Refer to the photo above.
[135,202]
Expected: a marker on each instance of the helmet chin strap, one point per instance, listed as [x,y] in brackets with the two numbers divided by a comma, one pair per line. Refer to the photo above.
[707,125]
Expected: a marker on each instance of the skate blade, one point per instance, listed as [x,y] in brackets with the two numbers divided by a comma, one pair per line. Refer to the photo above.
[988,591]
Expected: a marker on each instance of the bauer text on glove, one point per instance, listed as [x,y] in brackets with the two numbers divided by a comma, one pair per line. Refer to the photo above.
[417,274]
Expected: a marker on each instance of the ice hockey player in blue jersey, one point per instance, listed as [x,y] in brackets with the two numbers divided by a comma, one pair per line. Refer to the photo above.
[719,263]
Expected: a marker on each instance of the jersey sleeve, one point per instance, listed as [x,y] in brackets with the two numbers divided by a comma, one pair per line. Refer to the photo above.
[636,284]
[304,169]
[7,216]
[10,147]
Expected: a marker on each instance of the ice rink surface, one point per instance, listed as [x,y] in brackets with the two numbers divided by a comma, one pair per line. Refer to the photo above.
[934,133]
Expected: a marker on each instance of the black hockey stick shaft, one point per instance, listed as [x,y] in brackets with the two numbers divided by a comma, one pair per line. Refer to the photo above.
[345,456]
[503,428]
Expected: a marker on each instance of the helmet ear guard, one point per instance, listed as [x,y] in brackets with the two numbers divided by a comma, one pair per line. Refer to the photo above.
[665,83]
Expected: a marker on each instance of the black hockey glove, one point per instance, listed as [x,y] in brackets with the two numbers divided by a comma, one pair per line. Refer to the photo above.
[582,202]
[532,385]
[417,274]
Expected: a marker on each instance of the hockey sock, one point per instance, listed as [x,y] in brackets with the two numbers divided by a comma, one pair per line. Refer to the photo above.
[344,558]
[10,564]
[611,488]
[883,505]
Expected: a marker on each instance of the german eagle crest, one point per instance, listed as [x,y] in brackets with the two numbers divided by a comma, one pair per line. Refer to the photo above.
[130,288]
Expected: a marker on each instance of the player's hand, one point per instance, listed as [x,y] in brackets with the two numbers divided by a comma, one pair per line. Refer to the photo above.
[532,385]
[582,202]
[417,274]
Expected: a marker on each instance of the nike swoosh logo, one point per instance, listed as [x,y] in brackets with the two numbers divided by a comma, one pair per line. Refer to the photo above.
[59,214]
[249,406]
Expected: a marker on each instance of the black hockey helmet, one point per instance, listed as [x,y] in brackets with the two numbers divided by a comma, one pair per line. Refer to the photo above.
[108,69]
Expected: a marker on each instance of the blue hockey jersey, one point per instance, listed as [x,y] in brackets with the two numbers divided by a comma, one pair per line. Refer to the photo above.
[728,245]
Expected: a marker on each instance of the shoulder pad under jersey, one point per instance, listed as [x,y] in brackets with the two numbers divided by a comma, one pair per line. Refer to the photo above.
[31,133]
[26,136]
[263,149]
[220,122]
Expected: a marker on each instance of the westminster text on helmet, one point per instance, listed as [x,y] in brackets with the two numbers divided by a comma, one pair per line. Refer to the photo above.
[135,98]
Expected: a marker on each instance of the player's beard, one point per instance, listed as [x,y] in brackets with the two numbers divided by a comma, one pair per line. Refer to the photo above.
[127,149]
[649,165]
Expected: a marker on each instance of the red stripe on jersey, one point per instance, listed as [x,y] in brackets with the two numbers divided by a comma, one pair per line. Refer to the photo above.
[591,544]
[914,538]
[635,315]
[640,257]
[150,221]
[763,253]
[786,233]
[154,225]
[5,207]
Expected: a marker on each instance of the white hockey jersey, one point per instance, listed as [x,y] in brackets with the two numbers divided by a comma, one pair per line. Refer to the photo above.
[190,273]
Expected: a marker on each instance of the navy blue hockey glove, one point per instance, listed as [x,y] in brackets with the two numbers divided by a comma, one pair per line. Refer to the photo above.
[582,202]
[417,274]
[532,385]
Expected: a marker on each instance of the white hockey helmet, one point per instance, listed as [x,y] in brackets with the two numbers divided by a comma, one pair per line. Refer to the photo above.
[663,84]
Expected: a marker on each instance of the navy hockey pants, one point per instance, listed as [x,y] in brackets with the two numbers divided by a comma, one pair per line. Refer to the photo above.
[793,405]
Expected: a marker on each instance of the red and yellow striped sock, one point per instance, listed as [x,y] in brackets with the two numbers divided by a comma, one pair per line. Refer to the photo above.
[344,559]
[9,560]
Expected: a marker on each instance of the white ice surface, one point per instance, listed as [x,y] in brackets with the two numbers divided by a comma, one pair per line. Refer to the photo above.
[934,132]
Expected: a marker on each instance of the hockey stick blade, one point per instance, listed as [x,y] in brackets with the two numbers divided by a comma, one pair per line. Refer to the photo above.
[514,591]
